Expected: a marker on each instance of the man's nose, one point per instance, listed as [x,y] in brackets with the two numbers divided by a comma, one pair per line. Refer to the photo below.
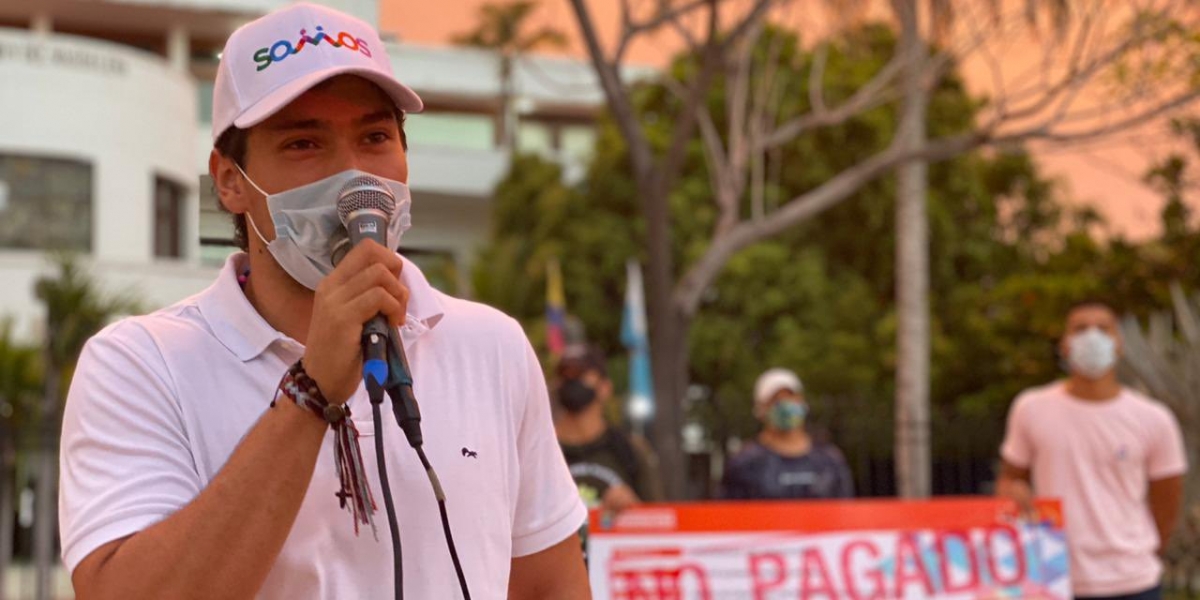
[347,157]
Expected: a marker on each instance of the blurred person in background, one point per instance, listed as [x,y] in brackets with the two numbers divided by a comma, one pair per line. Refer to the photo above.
[613,470]
[1113,456]
[785,462]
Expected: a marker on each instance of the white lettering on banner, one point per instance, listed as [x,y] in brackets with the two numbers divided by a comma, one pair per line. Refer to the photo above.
[41,54]
[647,519]
[1007,560]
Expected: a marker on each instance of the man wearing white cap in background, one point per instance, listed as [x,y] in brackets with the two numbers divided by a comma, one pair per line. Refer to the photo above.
[785,462]
[197,454]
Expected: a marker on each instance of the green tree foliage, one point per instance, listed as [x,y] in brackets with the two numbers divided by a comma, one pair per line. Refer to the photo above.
[76,310]
[504,28]
[1007,258]
[20,381]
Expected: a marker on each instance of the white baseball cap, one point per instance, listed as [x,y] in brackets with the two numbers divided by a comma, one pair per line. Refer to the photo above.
[774,380]
[274,59]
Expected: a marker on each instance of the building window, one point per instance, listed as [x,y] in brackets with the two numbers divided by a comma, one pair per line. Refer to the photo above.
[169,221]
[578,142]
[216,227]
[204,102]
[465,131]
[534,137]
[439,268]
[46,203]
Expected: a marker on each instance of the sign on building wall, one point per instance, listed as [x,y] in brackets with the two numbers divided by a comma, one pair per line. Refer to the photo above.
[41,54]
[951,549]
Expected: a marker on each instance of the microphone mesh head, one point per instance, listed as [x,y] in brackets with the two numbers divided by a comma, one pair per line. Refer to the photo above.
[365,193]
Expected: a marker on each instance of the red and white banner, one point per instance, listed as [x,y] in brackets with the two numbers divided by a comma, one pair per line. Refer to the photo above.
[954,549]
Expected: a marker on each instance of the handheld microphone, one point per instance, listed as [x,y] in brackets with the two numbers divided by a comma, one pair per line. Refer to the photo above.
[365,206]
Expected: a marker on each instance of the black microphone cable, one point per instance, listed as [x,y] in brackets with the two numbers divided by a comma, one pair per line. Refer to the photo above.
[365,206]
[408,416]
[376,392]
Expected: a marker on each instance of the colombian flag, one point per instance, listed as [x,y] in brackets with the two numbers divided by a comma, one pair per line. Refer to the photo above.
[556,310]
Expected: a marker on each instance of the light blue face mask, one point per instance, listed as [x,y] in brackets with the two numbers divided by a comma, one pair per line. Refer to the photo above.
[787,415]
[307,226]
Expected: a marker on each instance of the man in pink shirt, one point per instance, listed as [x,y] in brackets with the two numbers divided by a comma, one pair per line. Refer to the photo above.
[1115,457]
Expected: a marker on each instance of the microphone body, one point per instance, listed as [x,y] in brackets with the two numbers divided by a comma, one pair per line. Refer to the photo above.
[365,206]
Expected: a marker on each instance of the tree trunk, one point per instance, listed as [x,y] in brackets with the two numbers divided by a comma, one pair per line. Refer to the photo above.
[668,339]
[507,132]
[669,355]
[45,514]
[912,273]
[8,457]
[45,517]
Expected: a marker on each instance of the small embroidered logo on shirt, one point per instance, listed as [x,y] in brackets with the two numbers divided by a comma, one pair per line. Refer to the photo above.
[468,453]
[1122,453]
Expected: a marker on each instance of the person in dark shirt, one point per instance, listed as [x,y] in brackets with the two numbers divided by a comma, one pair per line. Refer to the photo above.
[612,469]
[785,462]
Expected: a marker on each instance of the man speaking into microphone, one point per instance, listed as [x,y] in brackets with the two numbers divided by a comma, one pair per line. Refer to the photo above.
[207,451]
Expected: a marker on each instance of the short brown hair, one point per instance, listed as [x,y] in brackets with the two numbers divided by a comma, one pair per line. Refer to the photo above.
[232,145]
[1093,303]
[578,360]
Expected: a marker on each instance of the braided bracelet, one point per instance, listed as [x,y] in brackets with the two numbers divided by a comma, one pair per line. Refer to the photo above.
[352,475]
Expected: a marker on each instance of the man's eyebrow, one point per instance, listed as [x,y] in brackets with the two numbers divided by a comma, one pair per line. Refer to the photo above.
[376,117]
[298,124]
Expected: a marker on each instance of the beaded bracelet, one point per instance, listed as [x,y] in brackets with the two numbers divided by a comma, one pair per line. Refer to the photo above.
[352,475]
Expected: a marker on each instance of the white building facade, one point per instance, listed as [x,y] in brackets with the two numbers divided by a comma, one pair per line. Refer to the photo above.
[105,108]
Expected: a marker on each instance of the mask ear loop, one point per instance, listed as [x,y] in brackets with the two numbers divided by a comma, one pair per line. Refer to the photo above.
[247,213]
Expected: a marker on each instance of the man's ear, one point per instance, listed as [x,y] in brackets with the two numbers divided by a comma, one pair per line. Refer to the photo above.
[606,388]
[229,182]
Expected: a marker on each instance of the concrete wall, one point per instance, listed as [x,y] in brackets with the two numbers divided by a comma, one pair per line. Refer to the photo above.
[367,10]
[131,117]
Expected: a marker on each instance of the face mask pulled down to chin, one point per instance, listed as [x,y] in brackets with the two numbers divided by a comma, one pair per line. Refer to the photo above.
[308,229]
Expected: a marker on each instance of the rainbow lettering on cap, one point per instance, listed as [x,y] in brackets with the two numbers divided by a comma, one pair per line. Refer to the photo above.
[282,49]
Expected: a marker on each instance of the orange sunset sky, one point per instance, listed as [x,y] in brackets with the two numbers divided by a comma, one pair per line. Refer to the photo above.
[1105,175]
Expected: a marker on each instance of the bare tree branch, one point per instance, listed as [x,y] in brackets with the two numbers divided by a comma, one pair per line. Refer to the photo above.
[1053,92]
[666,14]
[701,274]
[681,28]
[724,190]
[696,93]
[1089,134]
[616,94]
[738,108]
[768,102]
[752,19]
[816,78]
[993,63]
[865,98]
[1078,73]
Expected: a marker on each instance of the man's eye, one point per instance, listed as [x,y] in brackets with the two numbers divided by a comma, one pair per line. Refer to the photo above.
[378,137]
[301,145]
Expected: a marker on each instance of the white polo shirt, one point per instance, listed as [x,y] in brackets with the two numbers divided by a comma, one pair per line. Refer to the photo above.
[159,403]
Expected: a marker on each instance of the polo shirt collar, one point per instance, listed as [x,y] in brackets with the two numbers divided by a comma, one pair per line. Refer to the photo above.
[241,329]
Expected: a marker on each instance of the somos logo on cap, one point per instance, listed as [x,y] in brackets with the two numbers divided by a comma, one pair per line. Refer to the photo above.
[282,49]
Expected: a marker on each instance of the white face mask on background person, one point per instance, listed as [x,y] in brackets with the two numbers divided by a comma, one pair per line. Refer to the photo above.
[307,226]
[1093,353]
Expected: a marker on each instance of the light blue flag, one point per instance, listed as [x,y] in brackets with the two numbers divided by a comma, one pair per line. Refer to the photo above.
[636,338]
